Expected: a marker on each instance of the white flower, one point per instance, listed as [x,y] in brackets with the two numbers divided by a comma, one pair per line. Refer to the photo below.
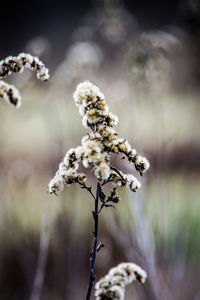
[124,145]
[56,185]
[113,284]
[111,120]
[86,92]
[17,64]
[92,151]
[23,60]
[97,145]
[82,110]
[79,152]
[70,159]
[145,163]
[62,168]
[141,164]
[10,94]
[85,121]
[102,171]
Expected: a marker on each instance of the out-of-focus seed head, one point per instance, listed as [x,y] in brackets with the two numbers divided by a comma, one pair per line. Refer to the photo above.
[17,64]
[10,94]
[113,285]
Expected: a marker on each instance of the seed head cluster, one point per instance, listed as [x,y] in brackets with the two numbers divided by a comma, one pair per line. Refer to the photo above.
[10,93]
[17,64]
[112,286]
[97,146]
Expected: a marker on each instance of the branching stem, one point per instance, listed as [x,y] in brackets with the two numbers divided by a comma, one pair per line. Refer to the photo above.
[118,172]
[88,188]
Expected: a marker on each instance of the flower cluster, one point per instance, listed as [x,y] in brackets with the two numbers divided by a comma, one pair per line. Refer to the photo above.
[112,286]
[10,93]
[17,64]
[97,146]
[67,172]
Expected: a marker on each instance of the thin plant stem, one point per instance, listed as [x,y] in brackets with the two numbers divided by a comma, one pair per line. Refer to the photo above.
[118,172]
[94,251]
[42,258]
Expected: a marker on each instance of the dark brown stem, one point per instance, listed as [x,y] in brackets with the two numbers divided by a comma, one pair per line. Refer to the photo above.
[105,182]
[94,251]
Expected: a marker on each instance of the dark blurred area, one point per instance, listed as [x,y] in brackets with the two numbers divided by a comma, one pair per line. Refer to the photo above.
[144,56]
[55,20]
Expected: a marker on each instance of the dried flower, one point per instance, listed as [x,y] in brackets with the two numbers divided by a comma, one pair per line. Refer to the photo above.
[112,286]
[17,64]
[97,146]
[56,184]
[94,153]
[10,94]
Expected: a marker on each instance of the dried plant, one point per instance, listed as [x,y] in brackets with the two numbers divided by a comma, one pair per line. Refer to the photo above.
[94,153]
[17,64]
[112,286]
[10,93]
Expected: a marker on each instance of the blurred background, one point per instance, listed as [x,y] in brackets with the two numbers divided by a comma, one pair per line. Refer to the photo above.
[144,56]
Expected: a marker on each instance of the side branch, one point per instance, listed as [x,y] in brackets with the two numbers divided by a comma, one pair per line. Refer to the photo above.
[118,172]
[88,188]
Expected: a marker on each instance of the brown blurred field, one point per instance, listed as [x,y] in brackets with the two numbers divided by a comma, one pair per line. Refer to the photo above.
[158,227]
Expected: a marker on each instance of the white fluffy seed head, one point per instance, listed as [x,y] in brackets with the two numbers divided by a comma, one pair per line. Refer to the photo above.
[56,185]
[96,146]
[124,145]
[141,164]
[86,92]
[145,163]
[70,159]
[18,63]
[112,286]
[9,93]
[102,171]
[79,152]
[92,152]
